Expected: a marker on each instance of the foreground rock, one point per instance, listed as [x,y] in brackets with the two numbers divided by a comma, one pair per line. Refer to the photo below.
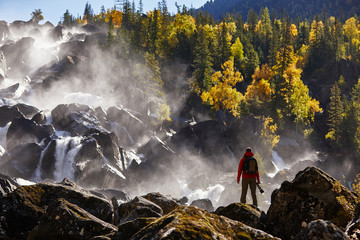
[22,209]
[320,229]
[195,223]
[166,202]
[63,220]
[312,195]
[243,213]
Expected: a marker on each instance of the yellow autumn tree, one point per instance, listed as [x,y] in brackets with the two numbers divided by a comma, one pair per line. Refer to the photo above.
[182,23]
[260,88]
[114,17]
[223,95]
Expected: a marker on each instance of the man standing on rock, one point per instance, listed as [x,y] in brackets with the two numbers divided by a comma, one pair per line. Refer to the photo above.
[249,169]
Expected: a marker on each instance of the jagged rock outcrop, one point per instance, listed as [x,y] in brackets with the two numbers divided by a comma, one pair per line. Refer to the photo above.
[320,229]
[195,223]
[22,131]
[64,220]
[139,207]
[7,185]
[353,228]
[22,209]
[244,213]
[312,195]
[8,114]
[4,31]
[166,202]
[24,160]
[130,228]
[9,92]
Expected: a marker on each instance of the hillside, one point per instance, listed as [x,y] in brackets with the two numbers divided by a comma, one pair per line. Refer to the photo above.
[295,8]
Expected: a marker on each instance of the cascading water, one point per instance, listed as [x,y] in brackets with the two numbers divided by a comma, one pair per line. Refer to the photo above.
[66,151]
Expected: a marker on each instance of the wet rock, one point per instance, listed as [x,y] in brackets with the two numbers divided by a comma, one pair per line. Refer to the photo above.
[139,207]
[22,209]
[109,146]
[24,160]
[112,193]
[320,229]
[22,131]
[196,223]
[9,92]
[129,228]
[244,213]
[312,195]
[353,228]
[18,56]
[205,204]
[27,110]
[39,118]
[57,33]
[64,220]
[8,114]
[76,48]
[35,32]
[76,119]
[128,127]
[4,31]
[166,202]
[7,185]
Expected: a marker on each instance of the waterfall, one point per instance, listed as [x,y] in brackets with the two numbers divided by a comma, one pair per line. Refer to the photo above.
[278,163]
[3,132]
[66,150]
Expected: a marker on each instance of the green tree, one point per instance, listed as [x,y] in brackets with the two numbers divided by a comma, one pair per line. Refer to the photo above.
[36,16]
[336,114]
[68,19]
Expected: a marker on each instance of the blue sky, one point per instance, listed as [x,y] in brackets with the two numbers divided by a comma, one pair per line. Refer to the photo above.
[11,10]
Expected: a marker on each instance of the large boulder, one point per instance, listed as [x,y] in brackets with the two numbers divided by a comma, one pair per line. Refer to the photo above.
[57,33]
[22,209]
[126,125]
[64,220]
[76,119]
[4,31]
[18,56]
[8,114]
[195,223]
[27,110]
[320,229]
[166,202]
[24,160]
[129,228]
[139,207]
[312,195]
[22,131]
[9,92]
[244,213]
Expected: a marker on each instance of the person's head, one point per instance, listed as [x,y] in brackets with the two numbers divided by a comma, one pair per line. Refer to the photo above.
[248,149]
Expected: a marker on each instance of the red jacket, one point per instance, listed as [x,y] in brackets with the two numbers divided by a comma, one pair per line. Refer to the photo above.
[246,175]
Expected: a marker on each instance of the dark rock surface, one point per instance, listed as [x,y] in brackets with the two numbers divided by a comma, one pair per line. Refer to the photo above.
[166,202]
[312,195]
[64,220]
[195,223]
[320,229]
[8,114]
[139,207]
[244,213]
[23,208]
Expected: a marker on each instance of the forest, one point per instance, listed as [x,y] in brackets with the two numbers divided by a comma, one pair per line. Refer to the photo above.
[275,69]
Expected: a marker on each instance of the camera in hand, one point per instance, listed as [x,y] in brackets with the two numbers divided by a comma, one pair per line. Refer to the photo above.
[260,189]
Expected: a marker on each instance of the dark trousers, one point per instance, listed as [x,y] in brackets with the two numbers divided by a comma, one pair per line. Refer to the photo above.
[245,183]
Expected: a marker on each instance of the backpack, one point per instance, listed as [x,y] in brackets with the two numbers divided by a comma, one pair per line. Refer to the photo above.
[250,165]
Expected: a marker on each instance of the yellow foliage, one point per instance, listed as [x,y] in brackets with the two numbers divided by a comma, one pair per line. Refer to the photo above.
[182,24]
[260,87]
[293,30]
[268,132]
[316,28]
[114,16]
[223,95]
[350,29]
[230,29]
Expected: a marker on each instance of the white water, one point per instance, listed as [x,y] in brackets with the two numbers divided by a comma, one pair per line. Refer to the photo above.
[66,150]
[3,132]
[213,192]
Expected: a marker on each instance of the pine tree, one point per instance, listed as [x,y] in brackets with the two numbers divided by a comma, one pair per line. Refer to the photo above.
[336,111]
[36,16]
